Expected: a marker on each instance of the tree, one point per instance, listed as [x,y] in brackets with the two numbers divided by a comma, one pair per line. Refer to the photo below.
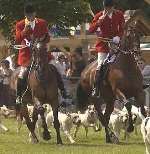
[64,13]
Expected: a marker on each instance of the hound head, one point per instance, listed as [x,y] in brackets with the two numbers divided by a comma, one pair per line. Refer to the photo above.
[4,111]
[91,110]
[75,118]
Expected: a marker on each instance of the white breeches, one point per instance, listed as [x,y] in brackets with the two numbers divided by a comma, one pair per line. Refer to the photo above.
[101,57]
[22,72]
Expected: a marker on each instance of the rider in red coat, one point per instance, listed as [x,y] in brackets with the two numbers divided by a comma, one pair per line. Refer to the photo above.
[27,30]
[108,23]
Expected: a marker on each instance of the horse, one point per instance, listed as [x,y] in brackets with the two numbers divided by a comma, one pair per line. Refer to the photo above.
[42,88]
[123,80]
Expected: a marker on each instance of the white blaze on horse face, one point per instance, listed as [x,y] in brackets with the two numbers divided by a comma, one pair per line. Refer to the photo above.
[27,43]
[38,45]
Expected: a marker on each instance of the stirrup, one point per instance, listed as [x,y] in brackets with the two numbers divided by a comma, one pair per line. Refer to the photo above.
[19,100]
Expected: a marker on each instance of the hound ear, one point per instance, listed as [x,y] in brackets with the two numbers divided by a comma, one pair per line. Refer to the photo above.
[4,106]
[78,112]
[45,107]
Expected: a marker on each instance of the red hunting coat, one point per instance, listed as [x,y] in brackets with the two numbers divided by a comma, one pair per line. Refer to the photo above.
[39,31]
[108,28]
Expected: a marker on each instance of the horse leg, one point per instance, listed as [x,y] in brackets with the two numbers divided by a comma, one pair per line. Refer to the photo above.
[104,119]
[110,136]
[46,134]
[128,106]
[140,100]
[40,109]
[97,106]
[56,124]
[19,121]
[29,124]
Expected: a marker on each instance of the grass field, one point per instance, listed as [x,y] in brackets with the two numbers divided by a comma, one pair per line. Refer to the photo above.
[13,143]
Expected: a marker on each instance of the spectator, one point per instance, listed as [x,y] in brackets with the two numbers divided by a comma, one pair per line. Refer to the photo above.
[5,70]
[61,66]
[5,74]
[78,62]
[56,52]
[145,69]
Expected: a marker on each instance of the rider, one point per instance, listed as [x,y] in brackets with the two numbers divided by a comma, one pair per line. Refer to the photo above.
[30,28]
[108,23]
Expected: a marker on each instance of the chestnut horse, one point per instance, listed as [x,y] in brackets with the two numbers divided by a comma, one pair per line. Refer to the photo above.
[123,80]
[42,88]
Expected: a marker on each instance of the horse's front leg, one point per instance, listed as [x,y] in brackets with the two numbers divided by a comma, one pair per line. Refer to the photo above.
[19,121]
[140,100]
[24,112]
[128,106]
[104,119]
[110,136]
[56,123]
[46,133]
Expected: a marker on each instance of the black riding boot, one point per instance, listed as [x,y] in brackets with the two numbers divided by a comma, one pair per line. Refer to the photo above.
[21,86]
[96,89]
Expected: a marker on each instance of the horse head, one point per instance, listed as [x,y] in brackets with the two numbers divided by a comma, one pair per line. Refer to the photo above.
[131,40]
[39,53]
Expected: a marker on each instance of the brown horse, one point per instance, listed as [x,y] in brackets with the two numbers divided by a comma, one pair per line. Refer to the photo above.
[42,88]
[123,80]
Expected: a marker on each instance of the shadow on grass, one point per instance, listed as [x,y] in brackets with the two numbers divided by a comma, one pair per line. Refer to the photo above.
[131,143]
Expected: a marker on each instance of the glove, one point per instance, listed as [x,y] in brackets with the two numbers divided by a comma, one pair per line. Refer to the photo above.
[116,39]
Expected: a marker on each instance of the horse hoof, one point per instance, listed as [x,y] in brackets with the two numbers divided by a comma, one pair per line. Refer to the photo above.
[59,142]
[108,140]
[130,129]
[46,135]
[114,139]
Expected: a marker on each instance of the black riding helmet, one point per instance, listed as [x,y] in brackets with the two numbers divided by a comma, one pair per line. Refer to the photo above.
[108,3]
[29,8]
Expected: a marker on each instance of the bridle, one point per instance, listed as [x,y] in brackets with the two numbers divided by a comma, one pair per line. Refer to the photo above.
[115,47]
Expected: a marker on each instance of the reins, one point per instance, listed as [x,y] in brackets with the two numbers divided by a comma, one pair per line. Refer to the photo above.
[109,41]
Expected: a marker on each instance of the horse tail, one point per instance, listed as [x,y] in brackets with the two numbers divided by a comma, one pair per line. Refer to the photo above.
[81,97]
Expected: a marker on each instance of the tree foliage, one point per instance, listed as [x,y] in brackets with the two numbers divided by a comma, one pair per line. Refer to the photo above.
[64,13]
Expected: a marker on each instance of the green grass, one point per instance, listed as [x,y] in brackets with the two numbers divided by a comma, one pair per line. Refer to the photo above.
[13,143]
